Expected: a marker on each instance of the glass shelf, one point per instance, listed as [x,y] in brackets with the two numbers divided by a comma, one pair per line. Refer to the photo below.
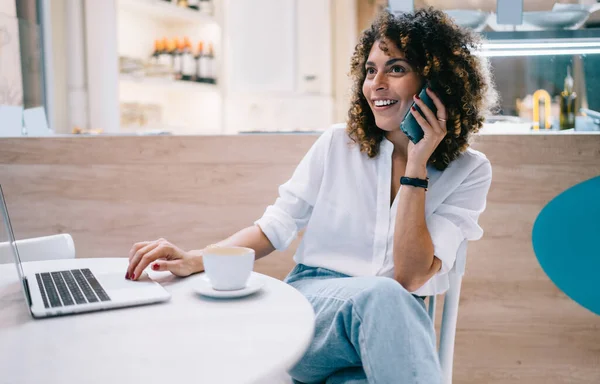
[559,34]
[541,43]
[167,12]
[168,84]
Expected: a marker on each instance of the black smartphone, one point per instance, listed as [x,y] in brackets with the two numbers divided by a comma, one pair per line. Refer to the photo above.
[410,126]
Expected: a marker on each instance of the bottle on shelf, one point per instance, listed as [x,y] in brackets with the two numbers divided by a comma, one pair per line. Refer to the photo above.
[177,54]
[194,4]
[567,103]
[158,48]
[542,120]
[201,67]
[182,3]
[212,68]
[164,57]
[188,62]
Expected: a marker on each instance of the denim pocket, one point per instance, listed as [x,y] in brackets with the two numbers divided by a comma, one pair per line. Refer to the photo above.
[302,271]
[295,273]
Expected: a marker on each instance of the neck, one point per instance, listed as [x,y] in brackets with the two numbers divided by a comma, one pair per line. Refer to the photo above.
[400,141]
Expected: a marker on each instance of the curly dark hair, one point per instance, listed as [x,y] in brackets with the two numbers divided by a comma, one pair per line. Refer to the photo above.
[440,51]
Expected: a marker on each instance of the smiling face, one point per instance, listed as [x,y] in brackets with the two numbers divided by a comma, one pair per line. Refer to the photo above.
[389,85]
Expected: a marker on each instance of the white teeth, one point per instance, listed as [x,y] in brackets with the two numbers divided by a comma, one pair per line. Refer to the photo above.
[381,103]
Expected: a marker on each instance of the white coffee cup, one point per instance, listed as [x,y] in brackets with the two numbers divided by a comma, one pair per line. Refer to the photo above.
[228,268]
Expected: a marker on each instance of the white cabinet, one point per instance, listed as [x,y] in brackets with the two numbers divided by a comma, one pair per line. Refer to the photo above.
[314,46]
[278,65]
[278,46]
[259,45]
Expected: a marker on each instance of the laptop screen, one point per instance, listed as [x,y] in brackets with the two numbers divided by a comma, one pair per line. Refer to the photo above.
[12,245]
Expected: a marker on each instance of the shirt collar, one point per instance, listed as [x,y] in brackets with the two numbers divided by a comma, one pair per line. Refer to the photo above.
[386,146]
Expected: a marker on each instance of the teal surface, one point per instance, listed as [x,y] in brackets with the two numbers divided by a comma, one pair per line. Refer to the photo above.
[566,242]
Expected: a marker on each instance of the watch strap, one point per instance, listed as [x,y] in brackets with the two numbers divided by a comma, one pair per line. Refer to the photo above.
[415,182]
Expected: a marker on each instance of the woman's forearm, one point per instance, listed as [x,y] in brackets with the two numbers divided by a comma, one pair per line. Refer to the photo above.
[249,237]
[414,260]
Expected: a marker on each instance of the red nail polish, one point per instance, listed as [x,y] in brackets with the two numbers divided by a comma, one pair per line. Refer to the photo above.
[413,108]
[155,267]
[417,97]
[133,276]
[127,275]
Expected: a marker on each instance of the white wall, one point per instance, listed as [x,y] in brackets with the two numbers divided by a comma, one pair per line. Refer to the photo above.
[102,65]
[77,93]
[58,93]
[8,7]
[343,23]
[11,81]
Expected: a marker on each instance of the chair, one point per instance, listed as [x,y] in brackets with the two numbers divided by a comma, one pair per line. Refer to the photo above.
[40,248]
[450,313]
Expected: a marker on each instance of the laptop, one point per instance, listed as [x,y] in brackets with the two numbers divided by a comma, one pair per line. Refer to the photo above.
[70,291]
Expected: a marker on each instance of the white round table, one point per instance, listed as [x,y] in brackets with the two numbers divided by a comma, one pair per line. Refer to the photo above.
[190,339]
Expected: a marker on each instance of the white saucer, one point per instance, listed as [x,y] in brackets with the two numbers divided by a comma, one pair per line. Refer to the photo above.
[203,287]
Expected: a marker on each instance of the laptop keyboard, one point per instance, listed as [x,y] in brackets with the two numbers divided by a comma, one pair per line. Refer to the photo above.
[64,288]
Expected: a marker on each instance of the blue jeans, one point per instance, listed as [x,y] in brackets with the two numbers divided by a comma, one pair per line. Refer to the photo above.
[368,330]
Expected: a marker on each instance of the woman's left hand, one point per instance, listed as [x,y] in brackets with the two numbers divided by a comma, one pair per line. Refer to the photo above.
[434,131]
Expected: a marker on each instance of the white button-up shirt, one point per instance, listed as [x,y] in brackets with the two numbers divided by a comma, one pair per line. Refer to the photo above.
[341,197]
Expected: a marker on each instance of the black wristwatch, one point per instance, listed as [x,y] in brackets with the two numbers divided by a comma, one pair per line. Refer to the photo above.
[421,183]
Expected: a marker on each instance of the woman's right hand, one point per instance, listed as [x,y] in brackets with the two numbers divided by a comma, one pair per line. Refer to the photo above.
[165,256]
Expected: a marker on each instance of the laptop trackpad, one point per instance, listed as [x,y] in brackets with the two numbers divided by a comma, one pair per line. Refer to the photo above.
[114,281]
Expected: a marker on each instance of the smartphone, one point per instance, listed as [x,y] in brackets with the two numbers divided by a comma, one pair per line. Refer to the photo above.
[410,126]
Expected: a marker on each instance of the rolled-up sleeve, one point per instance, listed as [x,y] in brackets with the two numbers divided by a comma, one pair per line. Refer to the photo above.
[456,219]
[291,211]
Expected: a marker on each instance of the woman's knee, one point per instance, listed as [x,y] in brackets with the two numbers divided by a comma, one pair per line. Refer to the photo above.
[386,289]
[385,298]
[384,293]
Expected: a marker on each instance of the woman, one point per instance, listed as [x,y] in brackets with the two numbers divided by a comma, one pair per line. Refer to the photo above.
[374,246]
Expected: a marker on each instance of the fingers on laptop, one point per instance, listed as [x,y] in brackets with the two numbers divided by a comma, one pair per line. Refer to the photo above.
[159,249]
[137,257]
[136,247]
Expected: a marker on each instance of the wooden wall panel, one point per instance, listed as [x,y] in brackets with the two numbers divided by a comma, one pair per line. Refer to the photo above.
[514,325]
